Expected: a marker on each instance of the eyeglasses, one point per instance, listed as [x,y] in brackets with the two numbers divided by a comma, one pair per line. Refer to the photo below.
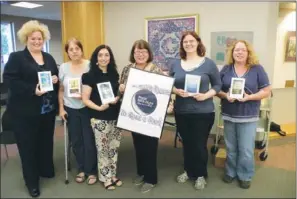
[145,52]
[190,41]
[239,49]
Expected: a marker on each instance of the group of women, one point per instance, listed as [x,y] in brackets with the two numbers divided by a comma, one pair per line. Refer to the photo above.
[93,134]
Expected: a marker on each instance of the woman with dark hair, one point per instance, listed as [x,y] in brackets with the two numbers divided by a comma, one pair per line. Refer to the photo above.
[194,108]
[146,147]
[103,116]
[78,121]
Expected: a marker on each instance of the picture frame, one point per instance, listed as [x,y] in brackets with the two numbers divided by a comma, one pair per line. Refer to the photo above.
[192,84]
[290,47]
[145,102]
[237,88]
[105,92]
[74,87]
[164,33]
[45,81]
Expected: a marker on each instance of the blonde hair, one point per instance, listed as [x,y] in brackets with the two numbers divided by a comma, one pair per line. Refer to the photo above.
[30,27]
[251,59]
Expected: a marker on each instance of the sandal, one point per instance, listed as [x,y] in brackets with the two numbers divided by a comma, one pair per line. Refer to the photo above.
[90,178]
[109,187]
[117,182]
[80,178]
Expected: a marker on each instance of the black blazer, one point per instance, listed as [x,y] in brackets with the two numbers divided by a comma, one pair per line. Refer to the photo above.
[21,77]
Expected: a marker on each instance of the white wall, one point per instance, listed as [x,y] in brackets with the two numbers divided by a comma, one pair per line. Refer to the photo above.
[124,23]
[283,70]
[55,46]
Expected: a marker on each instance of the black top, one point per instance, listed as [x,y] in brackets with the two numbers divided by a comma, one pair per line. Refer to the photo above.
[21,78]
[92,78]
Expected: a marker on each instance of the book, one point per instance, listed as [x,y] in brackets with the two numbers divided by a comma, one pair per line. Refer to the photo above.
[192,84]
[105,92]
[45,81]
[237,88]
[74,87]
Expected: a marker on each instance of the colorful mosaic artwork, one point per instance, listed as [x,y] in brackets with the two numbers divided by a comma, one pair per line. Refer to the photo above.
[163,35]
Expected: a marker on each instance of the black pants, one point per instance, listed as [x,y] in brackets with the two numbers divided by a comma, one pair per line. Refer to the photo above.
[146,157]
[34,136]
[82,140]
[194,130]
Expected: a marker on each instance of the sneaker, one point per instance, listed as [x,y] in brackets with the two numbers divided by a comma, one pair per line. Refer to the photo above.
[182,178]
[227,178]
[138,180]
[244,184]
[200,183]
[146,187]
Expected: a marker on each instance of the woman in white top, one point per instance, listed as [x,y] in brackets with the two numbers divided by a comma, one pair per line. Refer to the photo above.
[73,110]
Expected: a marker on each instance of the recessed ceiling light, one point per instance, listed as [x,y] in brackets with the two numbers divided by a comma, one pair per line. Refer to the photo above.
[26,4]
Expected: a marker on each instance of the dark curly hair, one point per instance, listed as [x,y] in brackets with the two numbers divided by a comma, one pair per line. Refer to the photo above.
[111,67]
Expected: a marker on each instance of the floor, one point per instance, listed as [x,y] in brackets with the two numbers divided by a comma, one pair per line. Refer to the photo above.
[275,178]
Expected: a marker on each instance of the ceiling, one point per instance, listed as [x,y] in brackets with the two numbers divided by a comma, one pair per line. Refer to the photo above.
[50,10]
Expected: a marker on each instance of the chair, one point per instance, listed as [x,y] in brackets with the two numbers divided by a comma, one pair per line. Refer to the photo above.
[6,135]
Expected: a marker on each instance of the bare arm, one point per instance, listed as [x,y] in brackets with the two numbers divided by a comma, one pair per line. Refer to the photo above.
[263,93]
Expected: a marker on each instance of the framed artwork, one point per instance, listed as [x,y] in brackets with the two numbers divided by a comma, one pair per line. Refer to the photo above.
[221,41]
[105,92]
[45,81]
[237,88]
[145,102]
[164,33]
[290,49]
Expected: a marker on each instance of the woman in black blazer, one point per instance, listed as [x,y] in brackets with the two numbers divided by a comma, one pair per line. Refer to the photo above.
[33,111]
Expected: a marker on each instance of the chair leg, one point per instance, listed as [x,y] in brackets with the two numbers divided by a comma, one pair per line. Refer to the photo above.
[6,152]
[175,139]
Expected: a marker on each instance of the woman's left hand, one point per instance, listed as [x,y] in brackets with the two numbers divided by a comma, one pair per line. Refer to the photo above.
[116,100]
[200,96]
[246,97]
[55,79]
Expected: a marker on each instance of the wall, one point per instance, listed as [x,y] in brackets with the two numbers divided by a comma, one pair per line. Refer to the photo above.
[124,23]
[283,70]
[127,18]
[55,47]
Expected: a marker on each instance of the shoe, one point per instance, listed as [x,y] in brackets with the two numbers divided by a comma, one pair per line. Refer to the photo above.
[138,180]
[146,187]
[227,178]
[34,192]
[182,178]
[200,183]
[244,184]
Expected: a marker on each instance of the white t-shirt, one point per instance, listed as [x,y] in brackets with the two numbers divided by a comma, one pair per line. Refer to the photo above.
[64,74]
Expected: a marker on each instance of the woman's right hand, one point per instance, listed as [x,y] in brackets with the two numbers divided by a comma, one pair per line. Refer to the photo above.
[38,92]
[230,99]
[181,93]
[63,114]
[122,88]
[103,107]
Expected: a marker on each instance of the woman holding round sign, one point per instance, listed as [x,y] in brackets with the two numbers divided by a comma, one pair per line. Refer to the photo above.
[100,86]
[146,147]
[197,80]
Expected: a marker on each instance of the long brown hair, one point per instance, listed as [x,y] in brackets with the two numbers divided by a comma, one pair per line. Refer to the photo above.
[200,48]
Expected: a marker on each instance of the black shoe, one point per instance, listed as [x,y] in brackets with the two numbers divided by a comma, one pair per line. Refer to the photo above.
[228,179]
[244,184]
[34,192]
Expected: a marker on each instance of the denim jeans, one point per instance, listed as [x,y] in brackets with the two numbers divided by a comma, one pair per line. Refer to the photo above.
[240,144]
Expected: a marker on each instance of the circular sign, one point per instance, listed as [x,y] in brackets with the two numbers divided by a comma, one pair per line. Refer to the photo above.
[144,102]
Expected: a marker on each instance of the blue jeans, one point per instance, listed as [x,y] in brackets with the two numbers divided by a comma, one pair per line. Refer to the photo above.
[240,144]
